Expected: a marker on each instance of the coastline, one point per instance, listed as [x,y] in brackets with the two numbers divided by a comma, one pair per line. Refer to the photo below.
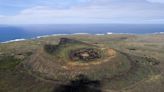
[98,34]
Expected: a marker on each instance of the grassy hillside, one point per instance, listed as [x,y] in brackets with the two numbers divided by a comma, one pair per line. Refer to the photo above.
[136,67]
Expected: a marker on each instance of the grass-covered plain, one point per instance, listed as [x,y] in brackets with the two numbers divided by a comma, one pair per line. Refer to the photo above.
[144,72]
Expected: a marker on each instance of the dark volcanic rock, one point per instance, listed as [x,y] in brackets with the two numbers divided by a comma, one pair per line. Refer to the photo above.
[66,40]
[85,54]
[52,48]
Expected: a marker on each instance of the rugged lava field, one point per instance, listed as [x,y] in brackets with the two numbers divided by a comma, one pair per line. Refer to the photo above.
[84,63]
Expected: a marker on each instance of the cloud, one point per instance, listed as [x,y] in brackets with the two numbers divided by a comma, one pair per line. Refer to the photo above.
[1,16]
[156,1]
[91,11]
[2,19]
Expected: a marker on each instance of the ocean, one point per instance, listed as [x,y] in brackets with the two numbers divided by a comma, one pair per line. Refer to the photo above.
[22,32]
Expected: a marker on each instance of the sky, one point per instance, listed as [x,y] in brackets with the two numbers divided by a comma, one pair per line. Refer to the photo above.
[81,11]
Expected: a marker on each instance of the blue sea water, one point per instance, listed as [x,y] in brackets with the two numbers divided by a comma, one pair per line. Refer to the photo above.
[31,31]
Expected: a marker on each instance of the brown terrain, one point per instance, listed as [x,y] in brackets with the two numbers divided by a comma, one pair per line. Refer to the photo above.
[84,63]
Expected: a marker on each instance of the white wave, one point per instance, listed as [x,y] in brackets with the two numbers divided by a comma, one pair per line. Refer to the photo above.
[58,34]
[109,33]
[158,33]
[42,36]
[127,33]
[80,34]
[50,35]
[99,34]
[15,40]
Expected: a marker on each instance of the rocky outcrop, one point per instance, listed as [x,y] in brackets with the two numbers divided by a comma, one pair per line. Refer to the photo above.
[85,54]
[66,40]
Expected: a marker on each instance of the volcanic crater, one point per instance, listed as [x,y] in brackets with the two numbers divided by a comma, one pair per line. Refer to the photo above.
[70,58]
[85,54]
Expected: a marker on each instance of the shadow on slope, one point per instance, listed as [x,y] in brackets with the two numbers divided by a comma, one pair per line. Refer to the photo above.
[63,43]
[82,84]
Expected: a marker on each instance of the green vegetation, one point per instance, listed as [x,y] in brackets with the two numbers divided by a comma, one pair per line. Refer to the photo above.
[8,62]
[65,47]
[50,48]
[138,72]
[42,65]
